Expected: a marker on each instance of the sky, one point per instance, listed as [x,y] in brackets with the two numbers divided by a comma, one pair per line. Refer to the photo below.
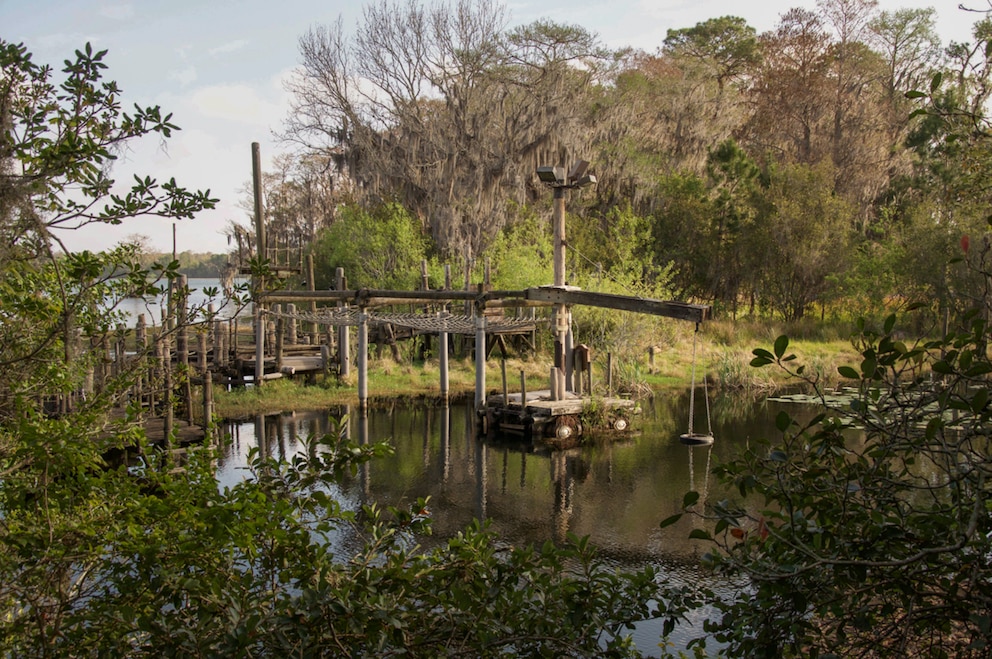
[219,67]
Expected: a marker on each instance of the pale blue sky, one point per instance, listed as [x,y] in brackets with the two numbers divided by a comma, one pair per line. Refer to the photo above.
[218,66]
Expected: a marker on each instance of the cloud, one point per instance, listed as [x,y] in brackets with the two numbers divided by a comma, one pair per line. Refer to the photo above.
[118,12]
[185,76]
[229,47]
[240,103]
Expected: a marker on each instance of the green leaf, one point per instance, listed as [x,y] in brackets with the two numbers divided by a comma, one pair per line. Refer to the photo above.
[668,521]
[781,345]
[690,499]
[848,372]
[699,534]
[979,401]
[783,420]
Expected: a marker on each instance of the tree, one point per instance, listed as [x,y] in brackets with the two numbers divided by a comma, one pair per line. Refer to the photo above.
[57,144]
[728,45]
[805,237]
[378,249]
[98,561]
[442,109]
[874,546]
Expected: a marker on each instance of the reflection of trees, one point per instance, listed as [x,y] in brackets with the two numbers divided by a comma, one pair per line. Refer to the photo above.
[735,406]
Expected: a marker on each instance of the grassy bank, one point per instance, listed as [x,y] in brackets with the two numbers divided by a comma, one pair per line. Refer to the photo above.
[723,352]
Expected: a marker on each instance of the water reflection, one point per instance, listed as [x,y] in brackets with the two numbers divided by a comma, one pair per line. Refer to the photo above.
[615,492]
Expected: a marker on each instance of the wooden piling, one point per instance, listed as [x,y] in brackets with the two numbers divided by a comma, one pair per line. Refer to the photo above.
[344,346]
[502,370]
[480,363]
[363,361]
[443,358]
[291,325]
[312,286]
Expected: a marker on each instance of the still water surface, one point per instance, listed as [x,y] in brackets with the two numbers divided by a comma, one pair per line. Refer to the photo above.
[616,492]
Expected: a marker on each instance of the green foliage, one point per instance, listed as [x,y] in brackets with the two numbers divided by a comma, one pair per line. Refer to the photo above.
[381,248]
[103,561]
[867,529]
[98,562]
[520,255]
[805,236]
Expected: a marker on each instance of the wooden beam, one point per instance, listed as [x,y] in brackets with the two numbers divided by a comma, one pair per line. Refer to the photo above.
[369,297]
[680,310]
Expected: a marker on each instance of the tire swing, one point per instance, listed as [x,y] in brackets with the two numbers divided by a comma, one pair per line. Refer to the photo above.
[691,438]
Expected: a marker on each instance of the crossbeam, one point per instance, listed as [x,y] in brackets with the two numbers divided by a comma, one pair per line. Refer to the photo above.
[541,295]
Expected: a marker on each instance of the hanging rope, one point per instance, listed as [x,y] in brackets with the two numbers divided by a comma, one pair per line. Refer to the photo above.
[692,386]
[690,438]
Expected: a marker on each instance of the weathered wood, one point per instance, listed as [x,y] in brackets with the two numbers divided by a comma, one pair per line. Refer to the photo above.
[344,342]
[680,310]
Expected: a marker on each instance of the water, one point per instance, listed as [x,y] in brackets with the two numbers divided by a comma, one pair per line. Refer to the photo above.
[614,492]
[152,308]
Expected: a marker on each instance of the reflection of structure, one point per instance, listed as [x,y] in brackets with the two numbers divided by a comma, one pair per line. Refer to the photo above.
[363,440]
[481,478]
[445,443]
[706,473]
[566,468]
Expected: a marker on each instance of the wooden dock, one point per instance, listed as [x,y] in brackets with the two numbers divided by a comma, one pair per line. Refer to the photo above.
[557,421]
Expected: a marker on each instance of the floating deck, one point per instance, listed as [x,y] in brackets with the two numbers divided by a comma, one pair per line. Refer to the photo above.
[561,420]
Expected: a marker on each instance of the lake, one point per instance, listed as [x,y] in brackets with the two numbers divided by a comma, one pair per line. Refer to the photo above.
[616,492]
[152,308]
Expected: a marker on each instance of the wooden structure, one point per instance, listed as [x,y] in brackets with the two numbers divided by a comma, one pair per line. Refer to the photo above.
[484,318]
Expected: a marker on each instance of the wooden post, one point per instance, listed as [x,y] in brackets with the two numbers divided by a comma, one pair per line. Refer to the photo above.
[208,405]
[443,357]
[325,359]
[167,419]
[344,344]
[260,253]
[280,342]
[291,324]
[553,383]
[502,369]
[141,348]
[312,286]
[259,346]
[202,363]
[569,355]
[480,363]
[609,373]
[256,175]
[363,361]
[523,392]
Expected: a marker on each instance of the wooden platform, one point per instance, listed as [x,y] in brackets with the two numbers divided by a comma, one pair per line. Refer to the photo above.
[557,420]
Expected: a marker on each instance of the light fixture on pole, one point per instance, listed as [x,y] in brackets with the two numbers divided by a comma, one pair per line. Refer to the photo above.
[555,178]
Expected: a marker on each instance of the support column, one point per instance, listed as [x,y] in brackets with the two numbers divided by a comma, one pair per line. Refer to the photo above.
[344,344]
[363,362]
[480,363]
[443,357]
